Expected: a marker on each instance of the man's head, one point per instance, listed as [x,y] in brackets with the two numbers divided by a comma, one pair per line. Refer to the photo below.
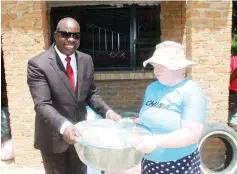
[67,36]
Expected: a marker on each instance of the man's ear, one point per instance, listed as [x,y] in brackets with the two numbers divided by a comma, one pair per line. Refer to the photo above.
[55,35]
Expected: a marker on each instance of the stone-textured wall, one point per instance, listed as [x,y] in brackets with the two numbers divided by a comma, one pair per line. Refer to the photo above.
[203,27]
[208,42]
[22,38]
[123,94]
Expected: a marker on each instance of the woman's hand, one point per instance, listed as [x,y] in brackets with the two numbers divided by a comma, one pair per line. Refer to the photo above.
[147,144]
[137,120]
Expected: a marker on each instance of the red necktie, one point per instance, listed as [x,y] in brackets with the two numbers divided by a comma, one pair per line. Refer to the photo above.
[70,73]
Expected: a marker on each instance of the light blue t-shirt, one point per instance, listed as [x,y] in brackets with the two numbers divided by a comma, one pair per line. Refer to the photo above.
[163,109]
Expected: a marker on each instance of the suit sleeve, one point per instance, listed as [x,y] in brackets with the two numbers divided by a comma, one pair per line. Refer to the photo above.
[41,95]
[94,100]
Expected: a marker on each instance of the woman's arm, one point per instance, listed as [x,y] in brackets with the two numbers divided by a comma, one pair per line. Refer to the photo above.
[188,134]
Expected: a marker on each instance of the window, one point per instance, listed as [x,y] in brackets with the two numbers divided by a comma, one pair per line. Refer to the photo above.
[117,38]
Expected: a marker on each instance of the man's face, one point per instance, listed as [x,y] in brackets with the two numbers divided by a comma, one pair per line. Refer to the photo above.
[68,38]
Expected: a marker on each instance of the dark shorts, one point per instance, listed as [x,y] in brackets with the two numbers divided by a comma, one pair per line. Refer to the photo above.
[187,165]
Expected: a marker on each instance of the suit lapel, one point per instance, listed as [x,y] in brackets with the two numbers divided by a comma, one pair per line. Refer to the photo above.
[61,71]
[80,71]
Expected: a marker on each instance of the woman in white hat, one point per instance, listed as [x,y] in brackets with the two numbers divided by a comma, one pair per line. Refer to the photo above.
[174,109]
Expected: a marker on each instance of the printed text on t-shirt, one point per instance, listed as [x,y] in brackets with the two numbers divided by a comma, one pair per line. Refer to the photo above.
[155,104]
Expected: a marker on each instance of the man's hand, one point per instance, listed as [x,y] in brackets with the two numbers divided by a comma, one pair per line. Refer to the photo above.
[113,116]
[69,133]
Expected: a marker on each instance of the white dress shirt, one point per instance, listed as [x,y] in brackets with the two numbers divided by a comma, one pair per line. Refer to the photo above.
[73,63]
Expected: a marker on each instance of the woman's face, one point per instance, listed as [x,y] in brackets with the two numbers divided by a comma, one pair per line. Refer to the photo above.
[162,73]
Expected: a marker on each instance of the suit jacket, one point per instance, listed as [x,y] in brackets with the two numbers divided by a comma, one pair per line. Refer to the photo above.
[54,99]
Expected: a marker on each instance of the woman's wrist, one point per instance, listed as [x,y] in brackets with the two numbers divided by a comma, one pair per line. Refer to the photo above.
[157,140]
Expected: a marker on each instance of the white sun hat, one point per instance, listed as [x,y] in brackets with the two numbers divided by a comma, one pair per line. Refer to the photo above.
[171,55]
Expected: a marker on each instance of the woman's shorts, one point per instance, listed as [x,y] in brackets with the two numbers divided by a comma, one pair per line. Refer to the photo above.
[186,165]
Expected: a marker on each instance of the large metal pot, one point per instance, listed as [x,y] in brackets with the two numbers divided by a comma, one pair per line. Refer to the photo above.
[109,146]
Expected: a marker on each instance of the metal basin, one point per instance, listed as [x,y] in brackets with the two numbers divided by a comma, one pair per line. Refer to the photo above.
[109,146]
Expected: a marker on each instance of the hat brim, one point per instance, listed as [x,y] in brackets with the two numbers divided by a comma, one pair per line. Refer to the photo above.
[181,64]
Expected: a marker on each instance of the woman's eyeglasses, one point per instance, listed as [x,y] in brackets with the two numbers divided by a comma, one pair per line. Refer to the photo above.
[67,34]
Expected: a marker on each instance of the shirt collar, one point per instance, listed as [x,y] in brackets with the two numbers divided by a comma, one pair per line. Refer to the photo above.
[61,55]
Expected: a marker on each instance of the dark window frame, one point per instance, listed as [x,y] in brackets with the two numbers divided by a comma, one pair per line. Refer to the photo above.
[133,35]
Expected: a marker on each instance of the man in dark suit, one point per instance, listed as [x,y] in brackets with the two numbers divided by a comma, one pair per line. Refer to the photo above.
[61,84]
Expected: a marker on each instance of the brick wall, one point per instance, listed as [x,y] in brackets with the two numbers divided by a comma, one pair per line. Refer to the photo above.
[210,34]
[22,38]
[173,16]
[123,94]
[214,153]
[203,27]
